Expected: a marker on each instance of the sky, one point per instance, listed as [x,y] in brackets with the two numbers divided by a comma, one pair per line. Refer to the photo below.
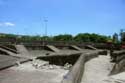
[28,17]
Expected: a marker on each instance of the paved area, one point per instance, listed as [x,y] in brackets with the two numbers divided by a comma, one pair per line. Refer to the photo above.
[97,69]
[6,61]
[118,78]
[26,73]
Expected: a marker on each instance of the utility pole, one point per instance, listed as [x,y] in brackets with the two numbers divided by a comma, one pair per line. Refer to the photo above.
[45,34]
[45,21]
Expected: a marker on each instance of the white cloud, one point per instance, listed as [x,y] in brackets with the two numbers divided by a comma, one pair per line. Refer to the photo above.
[7,24]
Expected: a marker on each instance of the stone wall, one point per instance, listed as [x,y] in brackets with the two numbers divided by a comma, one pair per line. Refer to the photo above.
[76,72]
[119,62]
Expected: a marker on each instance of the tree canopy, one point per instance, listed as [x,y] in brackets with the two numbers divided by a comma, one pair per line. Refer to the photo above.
[87,37]
[65,37]
[81,37]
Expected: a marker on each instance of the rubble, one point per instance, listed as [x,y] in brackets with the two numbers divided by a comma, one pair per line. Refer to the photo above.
[39,63]
[67,66]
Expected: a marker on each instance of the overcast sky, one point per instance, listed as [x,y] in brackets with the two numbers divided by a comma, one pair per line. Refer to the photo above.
[64,16]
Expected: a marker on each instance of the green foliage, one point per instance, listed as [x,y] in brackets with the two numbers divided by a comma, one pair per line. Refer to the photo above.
[81,37]
[7,36]
[86,37]
[46,38]
[65,37]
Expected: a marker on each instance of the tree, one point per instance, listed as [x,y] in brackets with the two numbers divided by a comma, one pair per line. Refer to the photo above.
[95,38]
[65,37]
[122,35]
[115,38]
[46,38]
[82,37]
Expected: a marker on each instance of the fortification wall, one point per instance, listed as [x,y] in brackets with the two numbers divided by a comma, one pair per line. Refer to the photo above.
[76,72]
[119,61]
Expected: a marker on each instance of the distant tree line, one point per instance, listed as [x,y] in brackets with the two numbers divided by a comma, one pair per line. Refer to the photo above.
[81,37]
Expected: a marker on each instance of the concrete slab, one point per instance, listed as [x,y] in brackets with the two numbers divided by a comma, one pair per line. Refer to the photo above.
[7,48]
[8,61]
[26,73]
[53,48]
[76,47]
[8,52]
[22,49]
[91,47]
